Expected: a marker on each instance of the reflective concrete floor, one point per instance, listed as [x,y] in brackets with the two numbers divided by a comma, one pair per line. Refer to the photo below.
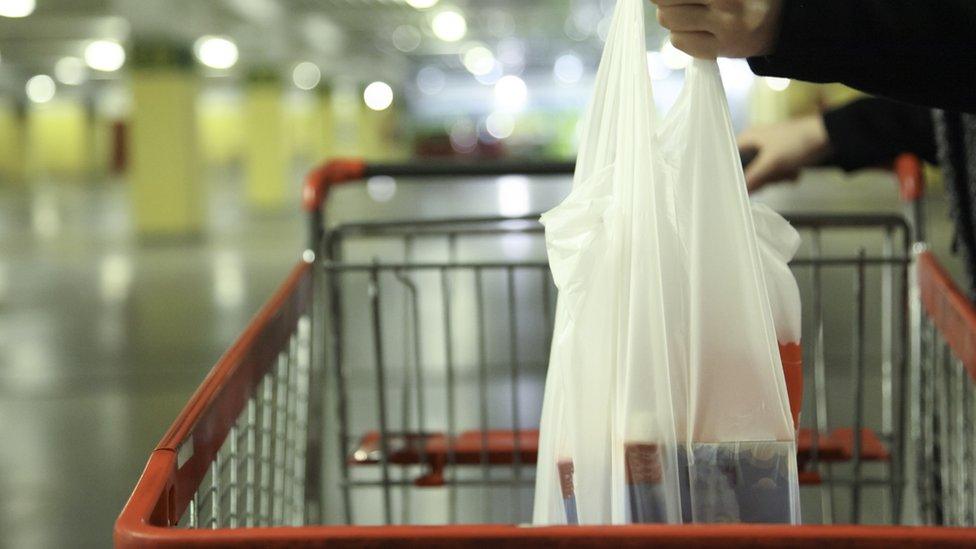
[103,337]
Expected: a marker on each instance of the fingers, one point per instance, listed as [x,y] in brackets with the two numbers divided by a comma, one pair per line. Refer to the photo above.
[685,18]
[758,172]
[767,168]
[748,140]
[698,44]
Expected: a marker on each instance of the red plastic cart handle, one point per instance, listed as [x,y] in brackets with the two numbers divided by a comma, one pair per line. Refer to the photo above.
[911,178]
[320,181]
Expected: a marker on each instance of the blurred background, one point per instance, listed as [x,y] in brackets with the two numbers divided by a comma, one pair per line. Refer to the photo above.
[151,153]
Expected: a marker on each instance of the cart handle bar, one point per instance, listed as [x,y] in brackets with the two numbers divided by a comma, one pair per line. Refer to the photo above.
[321,180]
[911,178]
[949,309]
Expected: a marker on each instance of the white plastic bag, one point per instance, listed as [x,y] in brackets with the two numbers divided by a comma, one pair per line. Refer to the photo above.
[665,398]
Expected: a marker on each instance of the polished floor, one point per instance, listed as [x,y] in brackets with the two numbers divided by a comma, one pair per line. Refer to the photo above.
[103,337]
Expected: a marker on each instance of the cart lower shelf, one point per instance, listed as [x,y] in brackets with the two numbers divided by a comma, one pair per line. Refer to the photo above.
[507,447]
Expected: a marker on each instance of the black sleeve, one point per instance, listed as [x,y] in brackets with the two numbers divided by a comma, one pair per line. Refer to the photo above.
[919,51]
[872,132]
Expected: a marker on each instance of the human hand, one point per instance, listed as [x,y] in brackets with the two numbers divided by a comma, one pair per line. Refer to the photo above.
[783,149]
[721,28]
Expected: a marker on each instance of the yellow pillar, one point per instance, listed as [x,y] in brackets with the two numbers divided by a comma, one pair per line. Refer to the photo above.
[13,138]
[266,147]
[59,138]
[370,127]
[220,127]
[166,191]
[346,103]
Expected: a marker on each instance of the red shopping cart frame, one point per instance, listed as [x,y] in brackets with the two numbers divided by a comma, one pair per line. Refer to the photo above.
[177,465]
[948,308]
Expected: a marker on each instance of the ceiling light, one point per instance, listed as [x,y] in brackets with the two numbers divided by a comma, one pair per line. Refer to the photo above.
[500,125]
[105,55]
[478,60]
[422,4]
[17,8]
[406,38]
[216,52]
[449,26]
[511,93]
[378,96]
[70,71]
[41,88]
[777,84]
[568,69]
[306,75]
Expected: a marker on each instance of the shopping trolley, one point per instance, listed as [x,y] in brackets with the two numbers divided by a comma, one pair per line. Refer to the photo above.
[396,377]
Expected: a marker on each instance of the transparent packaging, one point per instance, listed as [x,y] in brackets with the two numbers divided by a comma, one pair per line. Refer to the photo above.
[665,397]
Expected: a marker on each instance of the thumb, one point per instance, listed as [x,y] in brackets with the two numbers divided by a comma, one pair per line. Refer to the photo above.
[748,140]
[760,171]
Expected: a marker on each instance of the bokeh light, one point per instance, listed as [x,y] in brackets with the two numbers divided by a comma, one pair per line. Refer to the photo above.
[478,60]
[17,8]
[306,75]
[378,96]
[511,94]
[449,25]
[500,125]
[381,188]
[406,38]
[70,71]
[41,88]
[216,52]
[568,69]
[776,84]
[105,55]
[422,4]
